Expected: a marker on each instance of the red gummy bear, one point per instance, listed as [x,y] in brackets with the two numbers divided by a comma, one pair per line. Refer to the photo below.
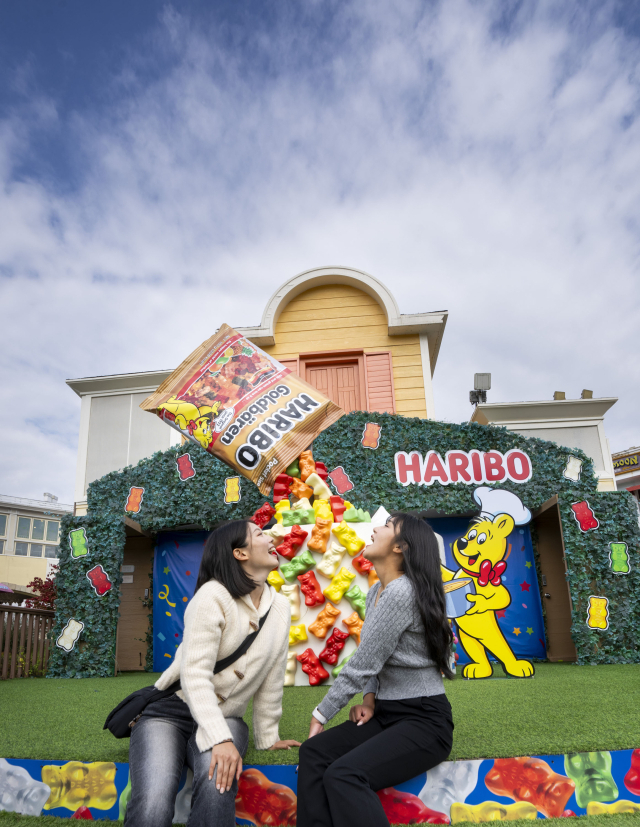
[310,588]
[281,487]
[84,813]
[405,808]
[263,515]
[340,479]
[264,802]
[632,778]
[99,579]
[338,507]
[333,646]
[584,515]
[312,667]
[185,467]
[532,780]
[321,471]
[291,542]
[361,564]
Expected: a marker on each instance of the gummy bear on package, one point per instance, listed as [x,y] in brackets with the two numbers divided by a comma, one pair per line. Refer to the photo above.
[263,802]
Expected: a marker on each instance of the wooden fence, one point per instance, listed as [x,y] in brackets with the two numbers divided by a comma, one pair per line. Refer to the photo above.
[24,636]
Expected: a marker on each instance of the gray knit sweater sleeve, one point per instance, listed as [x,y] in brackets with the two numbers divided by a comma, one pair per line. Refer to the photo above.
[381,632]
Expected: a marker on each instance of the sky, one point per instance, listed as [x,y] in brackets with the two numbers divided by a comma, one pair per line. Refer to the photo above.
[164,168]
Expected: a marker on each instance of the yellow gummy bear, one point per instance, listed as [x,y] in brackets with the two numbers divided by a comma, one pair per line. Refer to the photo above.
[276,580]
[323,510]
[75,784]
[297,634]
[596,808]
[232,490]
[292,593]
[290,671]
[492,811]
[283,505]
[349,539]
[340,583]
[598,613]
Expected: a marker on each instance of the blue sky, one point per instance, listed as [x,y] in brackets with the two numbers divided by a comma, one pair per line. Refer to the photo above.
[166,167]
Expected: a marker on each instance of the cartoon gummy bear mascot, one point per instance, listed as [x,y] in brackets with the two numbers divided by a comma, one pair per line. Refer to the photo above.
[480,555]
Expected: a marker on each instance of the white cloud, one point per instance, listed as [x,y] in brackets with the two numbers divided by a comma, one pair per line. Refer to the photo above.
[489,172]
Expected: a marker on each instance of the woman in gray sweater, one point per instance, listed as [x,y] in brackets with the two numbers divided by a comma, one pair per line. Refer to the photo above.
[404,725]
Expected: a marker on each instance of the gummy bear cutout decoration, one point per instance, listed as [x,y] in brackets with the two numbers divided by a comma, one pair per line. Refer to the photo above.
[76,784]
[232,491]
[371,435]
[134,500]
[263,802]
[337,669]
[311,589]
[290,671]
[307,465]
[333,647]
[281,487]
[572,469]
[78,543]
[19,792]
[406,808]
[185,467]
[354,624]
[70,634]
[361,564]
[291,543]
[584,515]
[320,535]
[300,489]
[595,808]
[323,509]
[598,613]
[318,486]
[303,562]
[349,539]
[338,508]
[297,634]
[324,621]
[331,560]
[292,592]
[312,667]
[99,579]
[619,558]
[492,811]
[591,773]
[357,600]
[533,780]
[263,515]
[341,480]
[632,778]
[281,507]
[339,585]
[276,580]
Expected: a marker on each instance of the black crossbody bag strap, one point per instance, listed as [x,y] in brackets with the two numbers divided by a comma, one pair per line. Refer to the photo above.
[244,646]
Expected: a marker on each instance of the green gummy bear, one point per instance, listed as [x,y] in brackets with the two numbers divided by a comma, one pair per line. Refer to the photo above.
[303,562]
[356,515]
[298,516]
[78,542]
[125,797]
[591,773]
[294,469]
[337,669]
[357,600]
[619,558]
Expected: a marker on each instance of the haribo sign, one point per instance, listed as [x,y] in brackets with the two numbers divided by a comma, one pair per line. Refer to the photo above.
[467,467]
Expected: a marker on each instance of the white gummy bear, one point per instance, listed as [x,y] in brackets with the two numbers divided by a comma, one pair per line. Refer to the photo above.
[572,471]
[70,634]
[449,782]
[183,801]
[19,792]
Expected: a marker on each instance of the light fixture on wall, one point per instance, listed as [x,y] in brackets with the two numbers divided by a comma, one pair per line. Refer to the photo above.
[481,384]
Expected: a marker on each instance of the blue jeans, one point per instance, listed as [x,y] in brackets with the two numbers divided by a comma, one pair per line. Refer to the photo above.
[162,741]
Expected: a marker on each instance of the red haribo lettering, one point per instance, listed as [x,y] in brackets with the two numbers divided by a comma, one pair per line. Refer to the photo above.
[312,667]
[99,579]
[185,467]
[405,808]
[518,465]
[408,464]
[263,515]
[532,780]
[632,778]
[263,802]
[458,463]
[584,515]
[434,467]
[340,480]
[291,542]
[476,465]
[493,467]
[333,647]
[310,588]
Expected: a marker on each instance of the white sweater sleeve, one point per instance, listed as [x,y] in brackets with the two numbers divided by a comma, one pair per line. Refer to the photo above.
[204,622]
[267,701]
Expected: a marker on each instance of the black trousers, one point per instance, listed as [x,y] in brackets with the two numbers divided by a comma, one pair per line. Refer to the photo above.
[341,768]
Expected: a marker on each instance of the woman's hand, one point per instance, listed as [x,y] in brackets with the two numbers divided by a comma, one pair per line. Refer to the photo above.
[229,762]
[285,744]
[316,727]
[361,713]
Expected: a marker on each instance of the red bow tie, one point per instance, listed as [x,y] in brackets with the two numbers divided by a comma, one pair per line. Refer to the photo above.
[489,574]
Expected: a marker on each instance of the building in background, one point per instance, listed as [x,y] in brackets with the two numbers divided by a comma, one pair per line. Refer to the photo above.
[626,465]
[29,538]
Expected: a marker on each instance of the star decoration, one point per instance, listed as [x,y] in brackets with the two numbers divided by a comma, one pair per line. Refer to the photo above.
[516,631]
[528,564]
[166,570]
[529,630]
[501,613]
[525,586]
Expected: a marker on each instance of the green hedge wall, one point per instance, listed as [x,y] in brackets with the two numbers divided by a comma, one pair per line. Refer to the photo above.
[170,503]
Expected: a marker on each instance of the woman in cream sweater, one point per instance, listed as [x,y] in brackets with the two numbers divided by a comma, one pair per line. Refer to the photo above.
[201,724]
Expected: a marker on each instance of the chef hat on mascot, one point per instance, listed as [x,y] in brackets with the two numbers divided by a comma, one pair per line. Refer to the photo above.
[494,501]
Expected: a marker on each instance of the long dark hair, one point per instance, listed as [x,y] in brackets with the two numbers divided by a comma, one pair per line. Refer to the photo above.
[218,562]
[421,564]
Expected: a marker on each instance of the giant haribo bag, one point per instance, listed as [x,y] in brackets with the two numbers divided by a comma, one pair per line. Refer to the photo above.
[242,406]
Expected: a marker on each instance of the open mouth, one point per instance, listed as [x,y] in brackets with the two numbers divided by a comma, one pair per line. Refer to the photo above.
[472,560]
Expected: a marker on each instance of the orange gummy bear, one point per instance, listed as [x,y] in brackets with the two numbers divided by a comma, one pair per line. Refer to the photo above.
[531,780]
[299,489]
[354,625]
[320,534]
[134,500]
[325,621]
[371,435]
[263,802]
[306,464]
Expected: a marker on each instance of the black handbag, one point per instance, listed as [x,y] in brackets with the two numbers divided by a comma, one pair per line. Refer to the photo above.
[123,718]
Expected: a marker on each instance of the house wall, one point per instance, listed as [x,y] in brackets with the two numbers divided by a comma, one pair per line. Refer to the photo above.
[341,317]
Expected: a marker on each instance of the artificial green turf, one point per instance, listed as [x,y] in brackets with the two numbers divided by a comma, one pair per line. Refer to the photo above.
[564,708]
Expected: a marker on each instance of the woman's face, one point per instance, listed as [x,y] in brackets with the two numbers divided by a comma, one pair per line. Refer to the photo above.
[383,542]
[260,551]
